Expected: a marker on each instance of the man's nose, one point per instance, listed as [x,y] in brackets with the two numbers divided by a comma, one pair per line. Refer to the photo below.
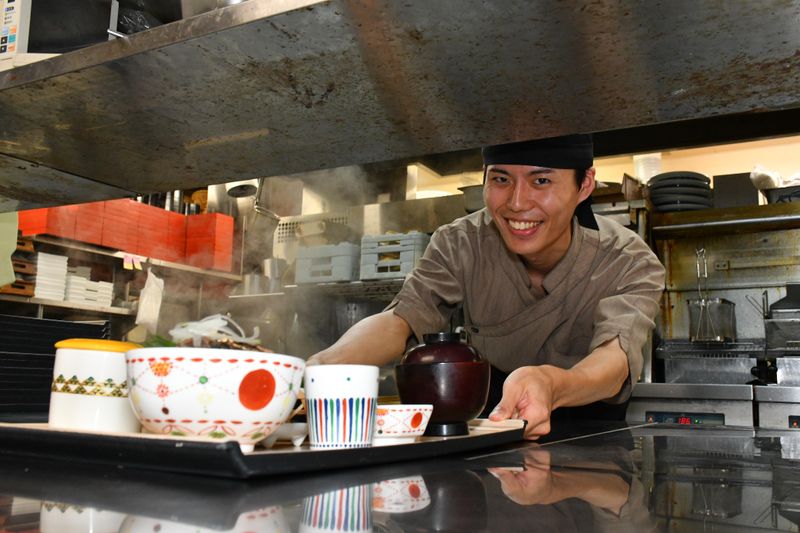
[521,198]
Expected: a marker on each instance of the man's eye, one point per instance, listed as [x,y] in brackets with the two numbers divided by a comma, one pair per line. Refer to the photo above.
[541,181]
[499,179]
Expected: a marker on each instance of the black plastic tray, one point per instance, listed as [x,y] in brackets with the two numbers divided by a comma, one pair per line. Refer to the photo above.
[225,459]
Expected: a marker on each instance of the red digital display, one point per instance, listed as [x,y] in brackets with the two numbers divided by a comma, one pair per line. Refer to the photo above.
[684,420]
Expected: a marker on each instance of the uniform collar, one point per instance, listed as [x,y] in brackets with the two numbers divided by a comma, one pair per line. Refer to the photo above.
[576,261]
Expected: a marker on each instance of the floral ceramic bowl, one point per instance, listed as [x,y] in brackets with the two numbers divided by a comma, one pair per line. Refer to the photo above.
[266,520]
[401,495]
[400,423]
[213,393]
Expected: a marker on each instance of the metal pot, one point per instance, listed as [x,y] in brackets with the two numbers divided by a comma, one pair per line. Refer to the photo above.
[473,198]
[712,320]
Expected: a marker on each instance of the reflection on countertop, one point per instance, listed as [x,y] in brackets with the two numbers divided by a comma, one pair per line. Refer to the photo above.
[646,478]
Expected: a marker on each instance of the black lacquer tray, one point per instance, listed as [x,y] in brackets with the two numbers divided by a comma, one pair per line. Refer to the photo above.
[226,459]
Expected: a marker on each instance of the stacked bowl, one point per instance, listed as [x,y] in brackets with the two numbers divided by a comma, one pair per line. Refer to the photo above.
[680,191]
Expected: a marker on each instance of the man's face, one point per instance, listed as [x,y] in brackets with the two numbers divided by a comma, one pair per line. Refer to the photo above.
[532,208]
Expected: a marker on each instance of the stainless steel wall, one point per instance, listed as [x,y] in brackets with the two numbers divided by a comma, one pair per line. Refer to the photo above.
[741,266]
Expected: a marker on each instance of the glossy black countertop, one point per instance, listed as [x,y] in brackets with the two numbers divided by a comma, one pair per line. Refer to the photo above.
[584,477]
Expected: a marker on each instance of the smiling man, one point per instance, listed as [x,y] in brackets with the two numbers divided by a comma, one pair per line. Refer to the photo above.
[559,301]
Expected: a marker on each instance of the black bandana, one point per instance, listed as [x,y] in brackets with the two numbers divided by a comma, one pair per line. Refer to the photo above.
[569,151]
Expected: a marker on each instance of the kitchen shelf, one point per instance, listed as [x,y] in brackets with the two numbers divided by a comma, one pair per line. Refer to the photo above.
[768,217]
[96,250]
[383,290]
[66,304]
[685,349]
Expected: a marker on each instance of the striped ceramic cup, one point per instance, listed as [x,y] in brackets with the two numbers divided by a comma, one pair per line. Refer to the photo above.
[340,405]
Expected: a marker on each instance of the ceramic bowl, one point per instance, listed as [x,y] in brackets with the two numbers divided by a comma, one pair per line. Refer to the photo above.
[458,502]
[65,518]
[400,423]
[457,391]
[266,520]
[213,393]
[401,495]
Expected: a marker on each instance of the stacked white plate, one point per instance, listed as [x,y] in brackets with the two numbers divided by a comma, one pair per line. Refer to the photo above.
[51,276]
[680,191]
[82,290]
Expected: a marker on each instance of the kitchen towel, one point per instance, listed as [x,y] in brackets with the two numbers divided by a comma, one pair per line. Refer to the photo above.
[8,243]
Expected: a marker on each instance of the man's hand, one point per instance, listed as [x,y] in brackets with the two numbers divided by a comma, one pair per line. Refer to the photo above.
[533,392]
[532,485]
[528,393]
[539,484]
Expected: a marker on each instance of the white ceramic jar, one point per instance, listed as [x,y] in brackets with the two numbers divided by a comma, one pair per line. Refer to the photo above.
[90,388]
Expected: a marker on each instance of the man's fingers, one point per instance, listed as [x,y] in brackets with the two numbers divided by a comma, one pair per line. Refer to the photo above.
[509,404]
[501,412]
[534,431]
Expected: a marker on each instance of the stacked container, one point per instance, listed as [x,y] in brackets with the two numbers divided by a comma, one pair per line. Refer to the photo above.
[88,222]
[330,262]
[392,255]
[209,241]
[204,241]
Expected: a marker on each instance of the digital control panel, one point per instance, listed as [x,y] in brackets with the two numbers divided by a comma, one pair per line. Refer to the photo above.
[688,419]
[8,30]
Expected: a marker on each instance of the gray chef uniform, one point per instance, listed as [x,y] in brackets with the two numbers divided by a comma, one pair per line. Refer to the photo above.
[607,285]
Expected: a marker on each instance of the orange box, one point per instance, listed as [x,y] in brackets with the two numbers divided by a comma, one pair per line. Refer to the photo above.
[32,221]
[209,241]
[176,238]
[152,218]
[61,221]
[121,225]
[89,222]
[57,221]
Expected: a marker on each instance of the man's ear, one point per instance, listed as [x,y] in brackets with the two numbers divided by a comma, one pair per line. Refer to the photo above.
[587,185]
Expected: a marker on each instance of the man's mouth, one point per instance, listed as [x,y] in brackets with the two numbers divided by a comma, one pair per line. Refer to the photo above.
[522,225]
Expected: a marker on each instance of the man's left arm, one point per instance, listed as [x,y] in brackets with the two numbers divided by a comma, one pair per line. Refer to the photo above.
[533,392]
[621,324]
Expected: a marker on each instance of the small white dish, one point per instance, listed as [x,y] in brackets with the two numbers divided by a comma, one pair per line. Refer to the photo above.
[400,423]
[296,432]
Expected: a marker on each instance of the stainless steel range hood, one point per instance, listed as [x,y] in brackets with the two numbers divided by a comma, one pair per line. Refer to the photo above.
[271,87]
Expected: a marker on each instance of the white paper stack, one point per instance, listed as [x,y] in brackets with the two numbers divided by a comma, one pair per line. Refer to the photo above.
[51,276]
[82,271]
[80,289]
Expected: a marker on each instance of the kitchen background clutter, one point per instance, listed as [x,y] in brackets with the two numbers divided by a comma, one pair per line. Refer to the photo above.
[356,126]
[303,235]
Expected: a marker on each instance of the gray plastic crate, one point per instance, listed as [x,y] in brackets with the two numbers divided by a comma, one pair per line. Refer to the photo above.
[391,255]
[331,262]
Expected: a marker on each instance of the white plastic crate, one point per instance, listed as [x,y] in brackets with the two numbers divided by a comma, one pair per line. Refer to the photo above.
[391,255]
[395,242]
[331,262]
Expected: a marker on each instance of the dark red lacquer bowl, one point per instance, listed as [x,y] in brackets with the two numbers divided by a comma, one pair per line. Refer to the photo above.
[449,374]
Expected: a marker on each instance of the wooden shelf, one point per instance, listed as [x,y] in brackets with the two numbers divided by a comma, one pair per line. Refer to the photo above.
[97,250]
[66,304]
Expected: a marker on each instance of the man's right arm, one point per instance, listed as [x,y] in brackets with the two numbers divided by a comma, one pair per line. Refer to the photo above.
[376,340]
